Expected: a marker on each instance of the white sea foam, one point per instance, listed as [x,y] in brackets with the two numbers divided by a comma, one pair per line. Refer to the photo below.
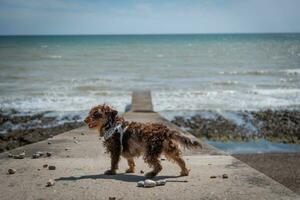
[225,99]
[292,71]
[63,103]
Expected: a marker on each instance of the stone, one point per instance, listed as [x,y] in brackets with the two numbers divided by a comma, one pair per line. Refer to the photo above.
[76,142]
[49,154]
[140,184]
[10,155]
[20,156]
[149,183]
[45,165]
[163,159]
[12,171]
[49,142]
[213,176]
[142,172]
[225,176]
[66,149]
[82,134]
[111,198]
[51,167]
[41,153]
[161,182]
[50,183]
[36,155]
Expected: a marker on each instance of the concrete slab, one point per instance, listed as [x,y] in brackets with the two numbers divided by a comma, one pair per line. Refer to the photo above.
[141,101]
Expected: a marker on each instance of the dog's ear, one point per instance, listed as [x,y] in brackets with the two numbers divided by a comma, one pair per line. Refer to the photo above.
[114,113]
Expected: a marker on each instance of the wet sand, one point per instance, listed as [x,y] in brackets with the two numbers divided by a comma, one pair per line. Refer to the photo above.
[282,167]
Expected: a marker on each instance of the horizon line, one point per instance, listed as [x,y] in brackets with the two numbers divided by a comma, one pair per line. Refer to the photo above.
[140,34]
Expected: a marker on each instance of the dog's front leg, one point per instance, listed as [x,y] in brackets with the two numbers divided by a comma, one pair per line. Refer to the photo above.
[115,157]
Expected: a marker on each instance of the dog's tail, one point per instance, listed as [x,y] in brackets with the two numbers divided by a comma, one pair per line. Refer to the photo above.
[187,142]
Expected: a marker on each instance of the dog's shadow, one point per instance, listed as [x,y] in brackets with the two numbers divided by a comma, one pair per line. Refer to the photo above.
[121,177]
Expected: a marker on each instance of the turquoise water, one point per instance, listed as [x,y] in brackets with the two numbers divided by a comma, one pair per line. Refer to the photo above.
[185,72]
[259,146]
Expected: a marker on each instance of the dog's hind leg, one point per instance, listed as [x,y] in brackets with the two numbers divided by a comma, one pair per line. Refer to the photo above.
[174,153]
[131,165]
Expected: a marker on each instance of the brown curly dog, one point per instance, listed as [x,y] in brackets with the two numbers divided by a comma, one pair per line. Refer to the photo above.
[132,139]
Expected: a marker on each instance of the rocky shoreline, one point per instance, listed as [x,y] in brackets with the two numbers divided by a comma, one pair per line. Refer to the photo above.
[273,125]
[18,129]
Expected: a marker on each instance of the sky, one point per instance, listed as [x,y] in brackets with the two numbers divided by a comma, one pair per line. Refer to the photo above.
[19,17]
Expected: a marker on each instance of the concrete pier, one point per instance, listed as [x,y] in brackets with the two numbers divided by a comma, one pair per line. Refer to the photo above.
[80,162]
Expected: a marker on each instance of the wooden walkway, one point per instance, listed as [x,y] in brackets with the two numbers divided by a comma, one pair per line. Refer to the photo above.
[80,162]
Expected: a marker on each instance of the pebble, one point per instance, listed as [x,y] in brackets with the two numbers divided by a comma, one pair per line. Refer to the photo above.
[82,133]
[49,142]
[140,184]
[76,142]
[213,177]
[162,159]
[161,182]
[36,155]
[19,156]
[51,167]
[142,172]
[149,183]
[225,176]
[12,171]
[66,149]
[111,198]
[50,183]
[45,165]
[41,153]
[49,154]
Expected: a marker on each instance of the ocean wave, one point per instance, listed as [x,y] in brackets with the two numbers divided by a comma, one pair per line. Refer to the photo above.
[225,99]
[250,72]
[229,82]
[62,103]
[292,71]
[53,56]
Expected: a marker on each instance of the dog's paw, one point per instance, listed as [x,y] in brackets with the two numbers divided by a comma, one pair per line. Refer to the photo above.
[150,174]
[129,171]
[185,172]
[110,172]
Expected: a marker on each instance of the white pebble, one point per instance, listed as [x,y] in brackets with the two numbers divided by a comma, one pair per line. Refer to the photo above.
[161,182]
[140,184]
[149,183]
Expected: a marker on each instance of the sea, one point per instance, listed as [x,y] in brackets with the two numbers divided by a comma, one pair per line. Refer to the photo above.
[67,75]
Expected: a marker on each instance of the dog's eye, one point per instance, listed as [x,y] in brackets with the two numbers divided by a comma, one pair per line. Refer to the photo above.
[97,115]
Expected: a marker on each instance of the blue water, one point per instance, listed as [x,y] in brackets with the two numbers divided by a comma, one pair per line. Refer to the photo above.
[258,146]
[225,71]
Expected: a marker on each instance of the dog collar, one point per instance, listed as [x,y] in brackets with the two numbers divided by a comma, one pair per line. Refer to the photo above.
[115,129]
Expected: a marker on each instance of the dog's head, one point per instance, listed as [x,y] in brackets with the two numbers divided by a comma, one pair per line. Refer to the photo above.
[99,116]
